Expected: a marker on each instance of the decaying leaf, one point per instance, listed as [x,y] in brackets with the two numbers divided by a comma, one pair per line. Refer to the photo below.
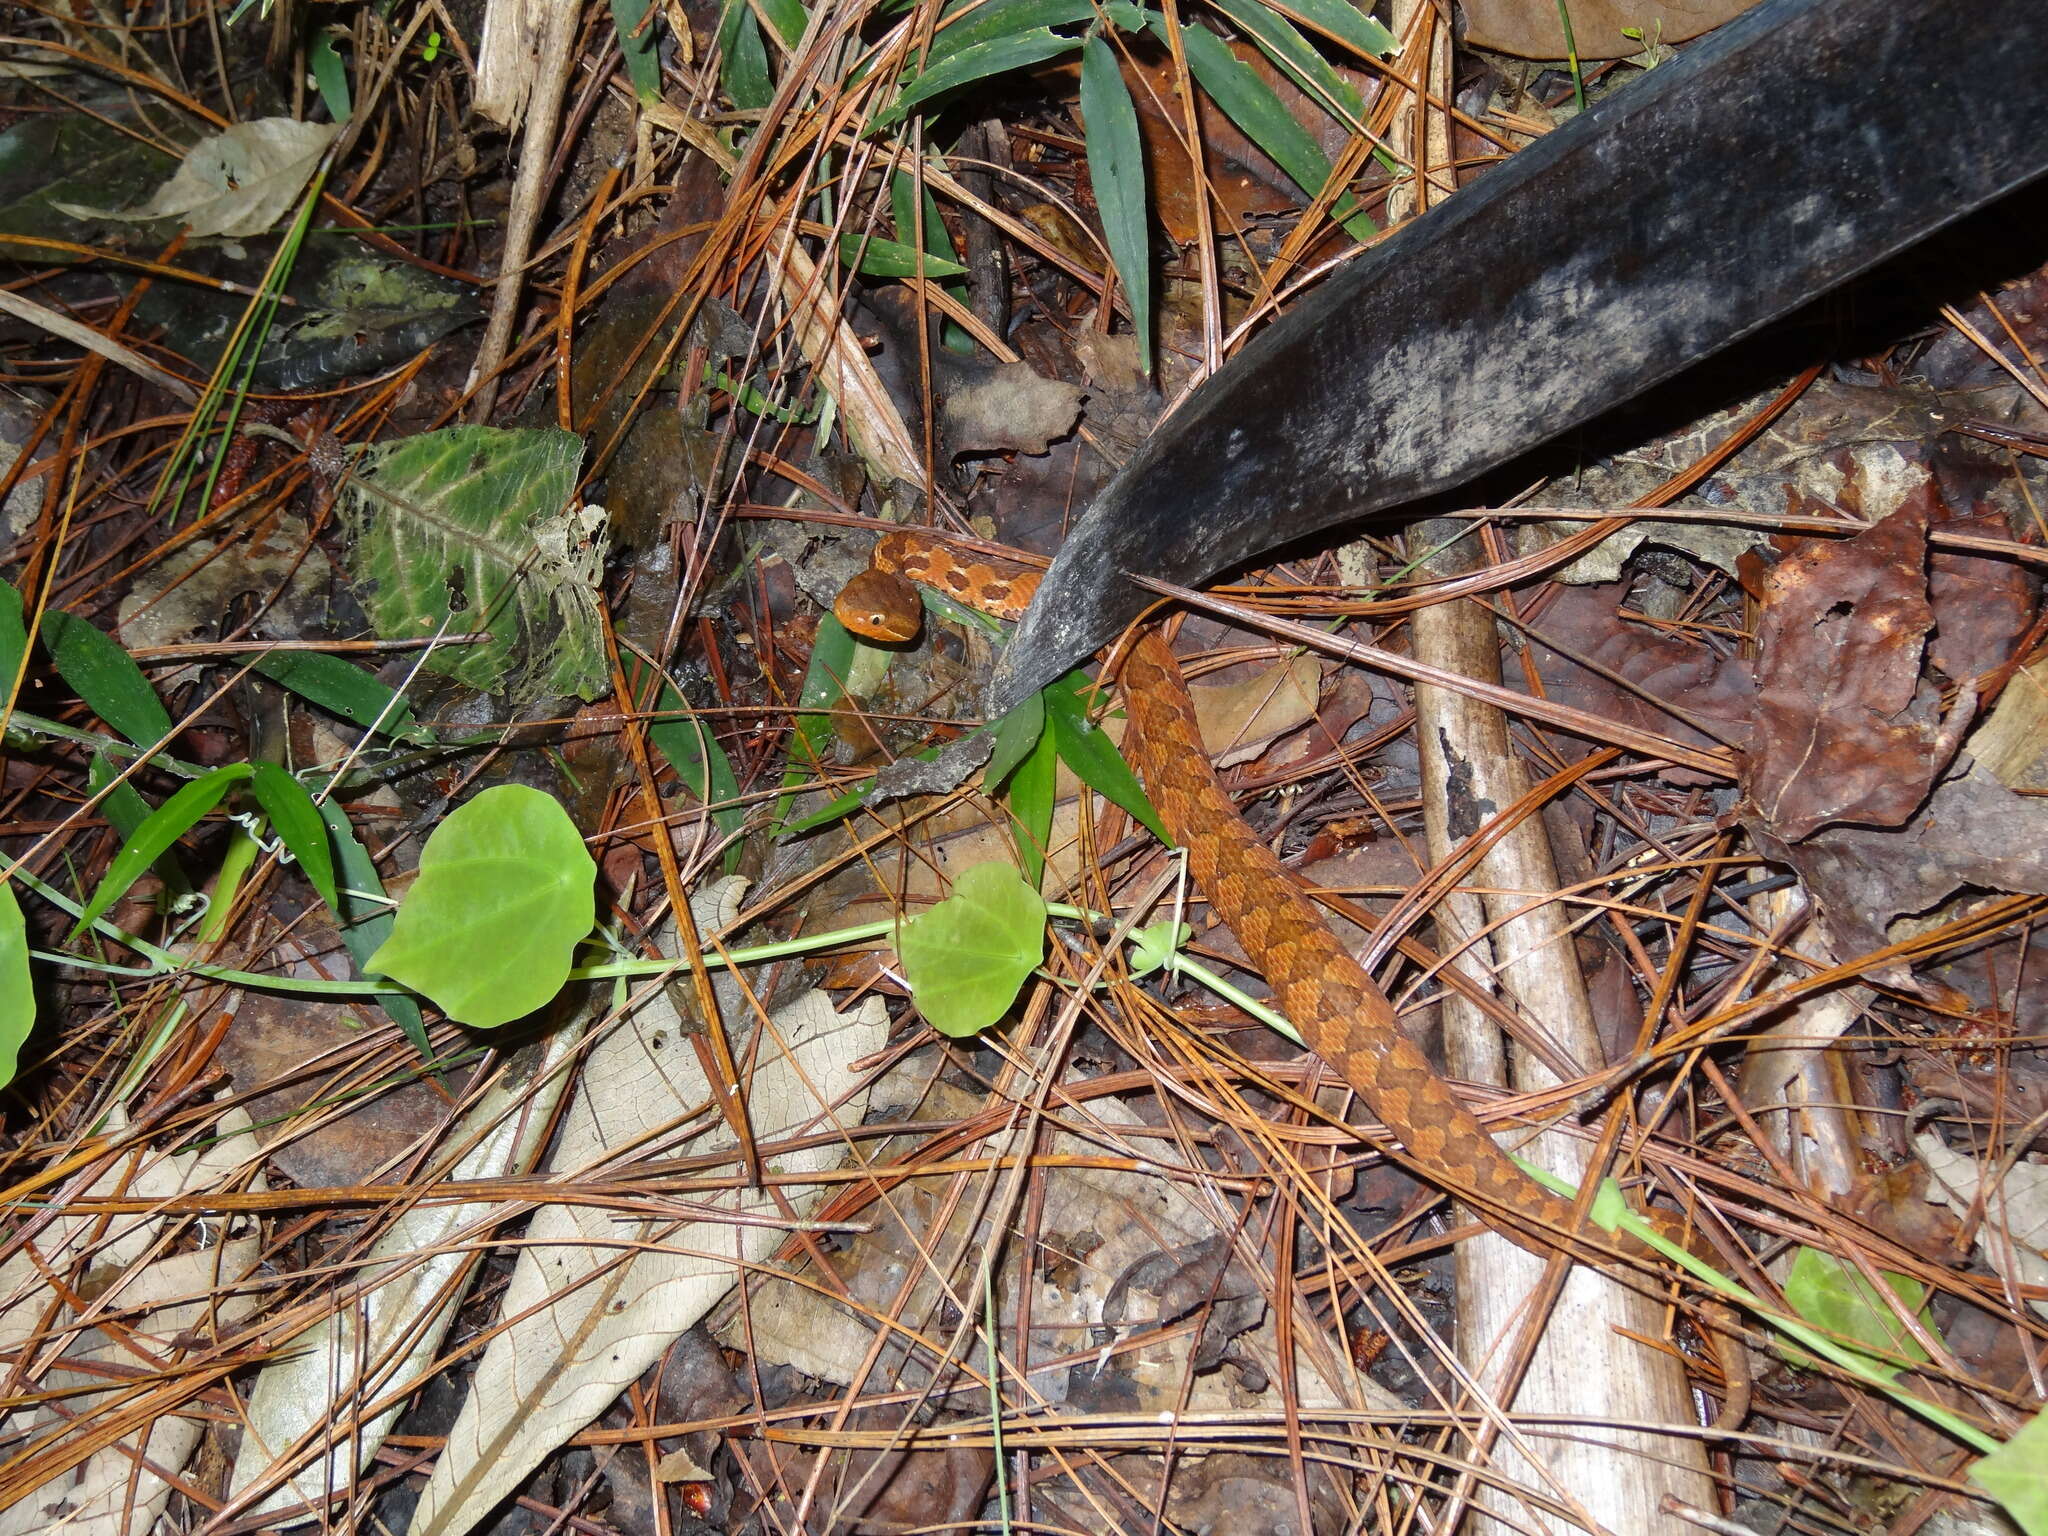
[1010,407]
[1238,719]
[322,1378]
[1973,832]
[2007,1209]
[1849,729]
[1530,29]
[238,182]
[600,1295]
[470,528]
[121,1294]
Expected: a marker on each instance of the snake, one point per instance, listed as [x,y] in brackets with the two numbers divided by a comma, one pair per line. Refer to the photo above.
[1342,1014]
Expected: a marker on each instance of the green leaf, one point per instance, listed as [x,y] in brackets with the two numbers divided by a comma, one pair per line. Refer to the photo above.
[1156,943]
[700,763]
[997,19]
[1349,25]
[743,58]
[967,957]
[150,841]
[1838,1299]
[17,990]
[1116,170]
[366,921]
[1251,104]
[1293,54]
[1016,734]
[106,677]
[13,639]
[296,819]
[1095,760]
[345,690]
[124,807]
[330,74]
[997,57]
[875,257]
[637,46]
[126,811]
[1030,801]
[506,891]
[475,528]
[831,655]
[921,227]
[2016,1474]
[788,18]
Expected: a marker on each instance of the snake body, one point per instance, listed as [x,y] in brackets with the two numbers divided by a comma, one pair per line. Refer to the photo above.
[1342,1014]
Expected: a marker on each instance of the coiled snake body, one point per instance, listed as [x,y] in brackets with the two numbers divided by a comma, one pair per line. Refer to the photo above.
[1316,982]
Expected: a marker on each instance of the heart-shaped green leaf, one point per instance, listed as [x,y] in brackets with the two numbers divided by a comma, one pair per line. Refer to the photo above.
[505,894]
[1838,1299]
[967,956]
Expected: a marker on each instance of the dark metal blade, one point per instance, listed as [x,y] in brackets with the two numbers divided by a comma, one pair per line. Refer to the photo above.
[1795,148]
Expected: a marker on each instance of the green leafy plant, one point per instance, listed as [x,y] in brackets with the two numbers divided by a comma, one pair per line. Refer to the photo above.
[471,528]
[505,893]
[966,956]
[17,988]
[1116,167]
[1839,1298]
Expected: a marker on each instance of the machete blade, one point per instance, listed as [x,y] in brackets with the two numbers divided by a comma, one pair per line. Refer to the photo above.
[1800,145]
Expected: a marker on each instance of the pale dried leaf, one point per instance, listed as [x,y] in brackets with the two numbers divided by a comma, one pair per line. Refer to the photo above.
[2010,1209]
[624,1289]
[1238,719]
[1530,28]
[326,1375]
[238,182]
[158,1298]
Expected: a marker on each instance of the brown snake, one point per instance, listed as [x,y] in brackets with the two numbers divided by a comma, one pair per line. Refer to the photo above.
[1316,982]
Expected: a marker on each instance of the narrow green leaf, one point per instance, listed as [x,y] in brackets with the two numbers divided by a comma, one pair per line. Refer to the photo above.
[13,639]
[296,819]
[638,39]
[1095,760]
[126,811]
[1250,103]
[1030,801]
[345,690]
[330,74]
[743,58]
[17,988]
[1838,1299]
[366,921]
[1116,169]
[967,956]
[2016,1474]
[1016,734]
[506,891]
[700,763]
[106,677]
[922,227]
[164,826]
[831,655]
[997,57]
[1349,25]
[788,18]
[1294,55]
[124,807]
[997,19]
[875,257]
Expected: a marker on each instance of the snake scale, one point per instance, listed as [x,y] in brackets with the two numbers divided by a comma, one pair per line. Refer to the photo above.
[1342,1014]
